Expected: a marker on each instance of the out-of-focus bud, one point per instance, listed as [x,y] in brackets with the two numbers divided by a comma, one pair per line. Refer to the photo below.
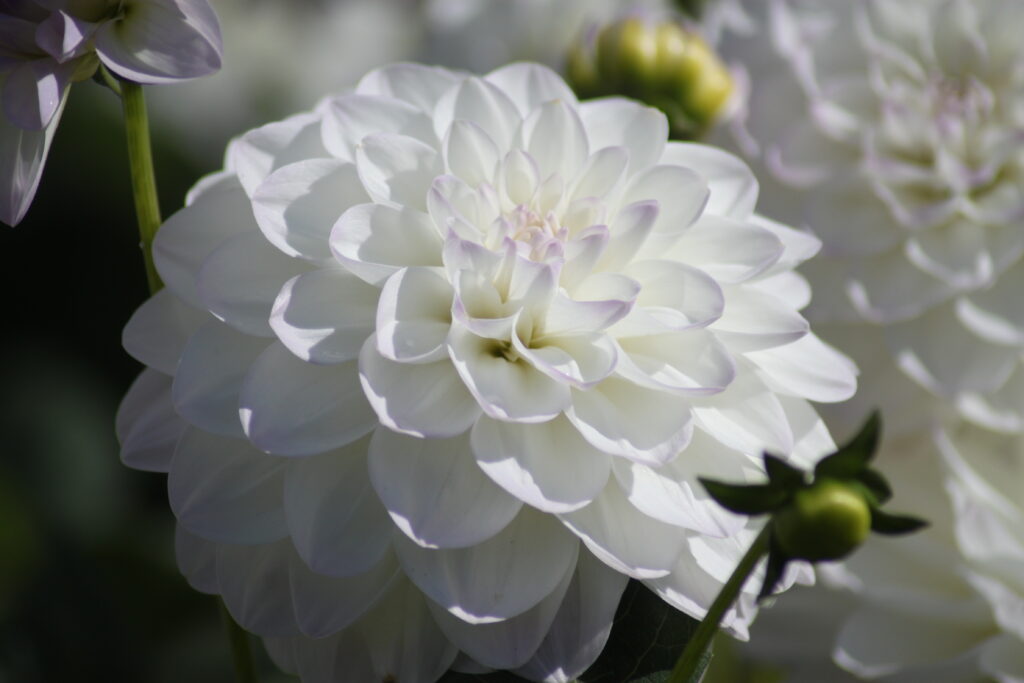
[826,521]
[661,63]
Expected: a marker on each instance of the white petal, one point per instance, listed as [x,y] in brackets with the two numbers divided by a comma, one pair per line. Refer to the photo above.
[617,122]
[33,93]
[434,491]
[746,416]
[225,490]
[397,170]
[189,235]
[335,519]
[628,232]
[375,241]
[197,560]
[506,389]
[484,104]
[469,153]
[418,399]
[808,368]
[887,289]
[956,252]
[156,333]
[601,176]
[263,150]
[239,281]
[254,582]
[147,426]
[162,41]
[581,628]
[688,362]
[624,419]
[414,316]
[625,539]
[996,313]
[674,294]
[374,649]
[499,578]
[937,352]
[350,118]
[580,360]
[732,186]
[209,377]
[22,156]
[681,195]
[325,316]
[672,494]
[878,640]
[509,643]
[530,85]
[291,407]
[549,466]
[297,205]
[554,136]
[727,250]
[416,84]
[753,320]
[850,220]
[325,605]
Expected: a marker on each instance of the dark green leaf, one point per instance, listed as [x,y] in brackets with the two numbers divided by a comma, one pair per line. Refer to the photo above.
[781,473]
[646,639]
[853,457]
[874,482]
[746,499]
[777,561]
[895,525]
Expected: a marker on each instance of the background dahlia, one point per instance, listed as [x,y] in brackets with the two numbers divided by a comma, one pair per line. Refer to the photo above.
[894,131]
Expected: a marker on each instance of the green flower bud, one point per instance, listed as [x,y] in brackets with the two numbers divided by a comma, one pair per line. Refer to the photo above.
[825,521]
[661,63]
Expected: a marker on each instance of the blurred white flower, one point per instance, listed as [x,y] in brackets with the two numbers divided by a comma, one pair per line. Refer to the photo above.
[419,344]
[482,34]
[895,131]
[900,127]
[45,45]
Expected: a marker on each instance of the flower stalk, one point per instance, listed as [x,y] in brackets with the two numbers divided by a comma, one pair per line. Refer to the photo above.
[241,655]
[140,159]
[693,662]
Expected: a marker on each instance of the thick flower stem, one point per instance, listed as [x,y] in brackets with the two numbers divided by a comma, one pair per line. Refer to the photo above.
[140,158]
[691,664]
[241,656]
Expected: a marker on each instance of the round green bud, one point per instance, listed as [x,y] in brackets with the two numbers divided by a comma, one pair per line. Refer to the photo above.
[627,56]
[826,521]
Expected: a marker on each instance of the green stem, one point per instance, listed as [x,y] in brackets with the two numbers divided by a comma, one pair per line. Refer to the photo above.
[241,656]
[140,158]
[693,661]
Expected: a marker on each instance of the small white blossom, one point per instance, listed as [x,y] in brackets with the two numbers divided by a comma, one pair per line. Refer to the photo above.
[45,45]
[457,348]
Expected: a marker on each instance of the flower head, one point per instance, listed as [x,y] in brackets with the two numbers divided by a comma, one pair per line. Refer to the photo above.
[459,346]
[899,124]
[45,45]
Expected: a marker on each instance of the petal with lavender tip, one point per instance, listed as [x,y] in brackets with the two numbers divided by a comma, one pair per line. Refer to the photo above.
[162,41]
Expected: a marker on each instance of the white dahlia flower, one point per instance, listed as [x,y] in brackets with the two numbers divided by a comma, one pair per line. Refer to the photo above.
[895,132]
[899,126]
[437,366]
